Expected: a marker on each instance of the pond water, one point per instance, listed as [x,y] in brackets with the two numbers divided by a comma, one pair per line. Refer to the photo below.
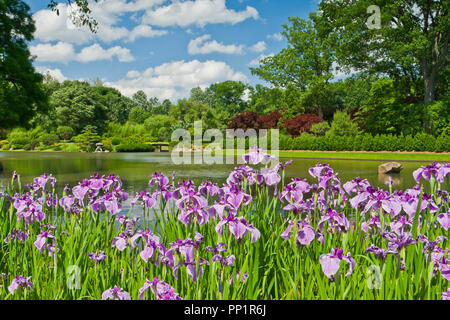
[135,169]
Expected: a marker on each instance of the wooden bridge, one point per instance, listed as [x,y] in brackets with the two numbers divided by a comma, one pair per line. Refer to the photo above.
[160,145]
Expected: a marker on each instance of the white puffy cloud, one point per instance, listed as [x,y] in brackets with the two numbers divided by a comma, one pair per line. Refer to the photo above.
[200,45]
[256,62]
[54,73]
[61,52]
[64,52]
[96,52]
[174,80]
[53,27]
[196,12]
[275,36]
[259,47]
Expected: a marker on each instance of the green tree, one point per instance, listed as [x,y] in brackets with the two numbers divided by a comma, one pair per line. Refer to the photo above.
[306,63]
[138,115]
[228,96]
[21,90]
[116,105]
[87,140]
[77,105]
[409,44]
[65,132]
[140,100]
[342,125]
[160,126]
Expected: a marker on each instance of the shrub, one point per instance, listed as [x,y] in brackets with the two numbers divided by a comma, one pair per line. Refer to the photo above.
[20,141]
[107,145]
[49,139]
[320,129]
[301,123]
[69,147]
[270,121]
[246,120]
[115,141]
[135,148]
[367,142]
[342,125]
[65,132]
[87,140]
[442,143]
[17,146]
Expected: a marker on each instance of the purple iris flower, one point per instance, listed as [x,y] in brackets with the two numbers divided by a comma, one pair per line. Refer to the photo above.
[373,224]
[120,242]
[193,207]
[398,242]
[331,262]
[41,182]
[399,225]
[327,177]
[444,220]
[381,253]
[293,192]
[116,293]
[162,290]
[305,233]
[208,188]
[239,227]
[256,156]
[437,252]
[28,208]
[186,249]
[271,175]
[166,256]
[443,172]
[17,234]
[238,275]
[337,222]
[20,283]
[96,182]
[444,266]
[81,190]
[97,257]
[152,242]
[220,247]
[111,204]
[446,294]
[42,238]
[228,261]
[162,182]
[235,198]
[426,172]
[219,208]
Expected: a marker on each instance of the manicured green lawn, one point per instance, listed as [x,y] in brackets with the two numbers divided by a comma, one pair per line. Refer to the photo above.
[388,156]
[367,155]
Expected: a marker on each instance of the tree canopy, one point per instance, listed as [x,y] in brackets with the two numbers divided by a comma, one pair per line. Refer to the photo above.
[21,91]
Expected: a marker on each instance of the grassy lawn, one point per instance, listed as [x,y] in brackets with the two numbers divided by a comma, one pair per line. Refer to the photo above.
[412,156]
[355,155]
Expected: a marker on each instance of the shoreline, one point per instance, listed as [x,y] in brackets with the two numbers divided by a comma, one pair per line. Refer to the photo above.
[405,156]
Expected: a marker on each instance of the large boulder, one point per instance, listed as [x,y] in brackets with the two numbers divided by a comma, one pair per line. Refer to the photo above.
[390,167]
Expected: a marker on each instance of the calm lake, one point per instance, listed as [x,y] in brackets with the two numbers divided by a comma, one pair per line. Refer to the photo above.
[135,169]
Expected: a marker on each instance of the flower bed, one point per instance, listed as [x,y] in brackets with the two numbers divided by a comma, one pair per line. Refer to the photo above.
[255,237]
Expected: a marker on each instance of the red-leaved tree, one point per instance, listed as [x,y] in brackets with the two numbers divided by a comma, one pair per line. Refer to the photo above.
[301,123]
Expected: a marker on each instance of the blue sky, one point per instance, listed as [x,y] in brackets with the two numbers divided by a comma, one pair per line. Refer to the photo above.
[164,47]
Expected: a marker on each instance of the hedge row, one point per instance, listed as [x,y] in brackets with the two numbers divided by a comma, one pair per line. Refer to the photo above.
[135,148]
[367,142]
